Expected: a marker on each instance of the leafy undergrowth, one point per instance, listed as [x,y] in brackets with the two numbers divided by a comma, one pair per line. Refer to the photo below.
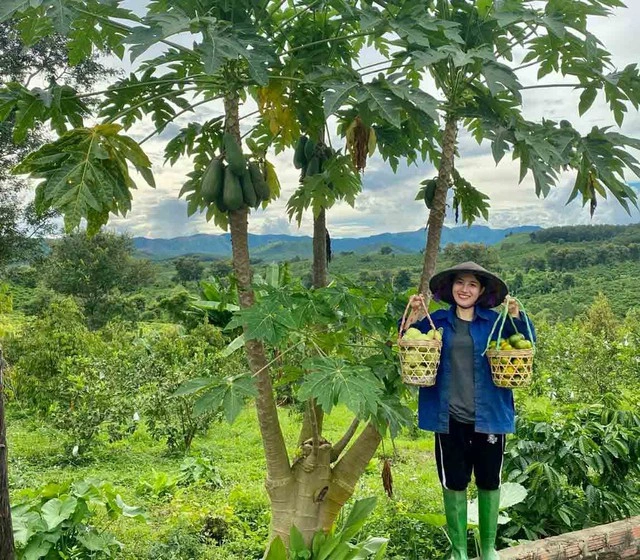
[221,511]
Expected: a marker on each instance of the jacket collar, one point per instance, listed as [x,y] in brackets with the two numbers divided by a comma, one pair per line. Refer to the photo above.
[480,312]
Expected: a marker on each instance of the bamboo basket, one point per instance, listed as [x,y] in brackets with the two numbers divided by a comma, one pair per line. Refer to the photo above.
[511,369]
[419,359]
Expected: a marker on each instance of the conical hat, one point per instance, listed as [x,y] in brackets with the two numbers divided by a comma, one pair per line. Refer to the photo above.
[495,289]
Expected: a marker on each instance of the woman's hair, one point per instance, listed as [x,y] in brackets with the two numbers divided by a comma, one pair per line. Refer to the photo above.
[478,277]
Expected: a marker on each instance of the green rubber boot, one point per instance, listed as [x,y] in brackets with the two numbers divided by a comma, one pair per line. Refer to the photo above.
[455,509]
[488,505]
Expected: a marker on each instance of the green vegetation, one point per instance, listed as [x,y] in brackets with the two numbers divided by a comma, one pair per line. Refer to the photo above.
[94,418]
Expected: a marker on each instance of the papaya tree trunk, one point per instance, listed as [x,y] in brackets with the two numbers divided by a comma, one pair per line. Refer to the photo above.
[310,493]
[320,269]
[7,550]
[318,491]
[277,459]
[439,205]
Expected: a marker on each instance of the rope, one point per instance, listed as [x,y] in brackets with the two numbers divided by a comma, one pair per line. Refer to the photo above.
[502,317]
[404,318]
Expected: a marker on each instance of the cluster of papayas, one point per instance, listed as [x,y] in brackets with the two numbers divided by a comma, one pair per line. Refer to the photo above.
[311,157]
[231,182]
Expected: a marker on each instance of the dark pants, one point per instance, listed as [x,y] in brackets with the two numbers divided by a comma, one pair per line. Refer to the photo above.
[463,451]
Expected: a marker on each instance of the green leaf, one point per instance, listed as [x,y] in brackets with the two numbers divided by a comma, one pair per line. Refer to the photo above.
[228,396]
[335,93]
[235,344]
[587,97]
[57,510]
[130,511]
[277,550]
[333,381]
[357,517]
[9,7]
[297,547]
[434,519]
[265,320]
[193,386]
[39,547]
[95,542]
[500,77]
[223,42]
[158,27]
[372,547]
[86,175]
[380,101]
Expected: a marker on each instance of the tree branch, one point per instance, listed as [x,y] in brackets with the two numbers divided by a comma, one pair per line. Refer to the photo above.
[340,446]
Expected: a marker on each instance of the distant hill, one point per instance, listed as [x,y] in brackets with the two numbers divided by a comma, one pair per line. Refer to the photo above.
[282,247]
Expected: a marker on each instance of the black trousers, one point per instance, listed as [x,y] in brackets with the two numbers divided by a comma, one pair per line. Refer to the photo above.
[463,451]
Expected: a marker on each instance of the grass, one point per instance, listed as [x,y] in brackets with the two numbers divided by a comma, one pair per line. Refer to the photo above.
[37,458]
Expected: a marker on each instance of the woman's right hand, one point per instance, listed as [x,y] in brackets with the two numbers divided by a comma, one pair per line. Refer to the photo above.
[416,302]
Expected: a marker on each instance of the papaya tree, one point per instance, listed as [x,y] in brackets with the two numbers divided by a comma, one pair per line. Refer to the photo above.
[241,50]
[468,50]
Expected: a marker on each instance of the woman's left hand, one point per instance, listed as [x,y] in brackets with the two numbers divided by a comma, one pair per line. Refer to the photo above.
[512,306]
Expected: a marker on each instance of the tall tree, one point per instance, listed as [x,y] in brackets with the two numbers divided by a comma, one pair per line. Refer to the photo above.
[93,269]
[468,49]
[472,65]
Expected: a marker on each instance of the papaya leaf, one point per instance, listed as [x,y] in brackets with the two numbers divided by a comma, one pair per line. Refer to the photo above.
[500,77]
[85,174]
[266,320]
[333,381]
[193,386]
[10,7]
[227,395]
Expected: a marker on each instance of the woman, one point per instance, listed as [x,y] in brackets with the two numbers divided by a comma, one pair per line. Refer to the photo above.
[468,413]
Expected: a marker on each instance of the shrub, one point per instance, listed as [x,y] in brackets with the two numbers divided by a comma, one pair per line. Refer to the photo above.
[581,468]
[56,522]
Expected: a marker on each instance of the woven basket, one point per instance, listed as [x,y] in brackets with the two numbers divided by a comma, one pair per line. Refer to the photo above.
[419,359]
[511,369]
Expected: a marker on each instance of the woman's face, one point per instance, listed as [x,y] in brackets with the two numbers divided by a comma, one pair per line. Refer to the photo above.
[466,290]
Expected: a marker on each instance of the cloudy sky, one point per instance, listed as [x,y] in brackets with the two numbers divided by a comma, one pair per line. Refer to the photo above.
[387,202]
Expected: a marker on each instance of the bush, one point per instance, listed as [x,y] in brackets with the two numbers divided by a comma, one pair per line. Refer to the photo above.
[169,360]
[581,467]
[57,521]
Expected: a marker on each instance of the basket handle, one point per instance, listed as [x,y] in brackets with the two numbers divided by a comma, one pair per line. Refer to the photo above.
[405,315]
[502,317]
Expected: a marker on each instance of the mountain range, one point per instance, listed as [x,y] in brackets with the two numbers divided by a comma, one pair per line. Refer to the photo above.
[282,247]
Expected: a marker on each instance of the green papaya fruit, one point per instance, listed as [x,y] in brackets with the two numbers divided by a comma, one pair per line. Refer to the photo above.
[299,158]
[212,179]
[248,191]
[259,183]
[429,192]
[220,203]
[234,155]
[309,149]
[232,190]
[314,166]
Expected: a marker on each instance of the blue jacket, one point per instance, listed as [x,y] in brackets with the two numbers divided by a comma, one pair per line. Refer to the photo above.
[495,412]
